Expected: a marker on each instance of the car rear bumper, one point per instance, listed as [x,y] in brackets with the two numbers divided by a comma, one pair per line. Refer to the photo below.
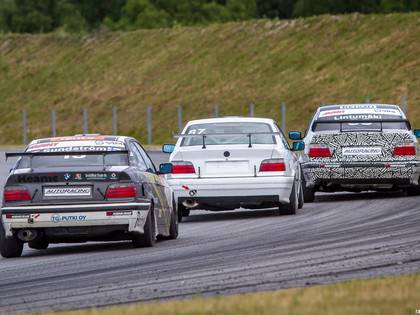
[362,174]
[233,192]
[131,215]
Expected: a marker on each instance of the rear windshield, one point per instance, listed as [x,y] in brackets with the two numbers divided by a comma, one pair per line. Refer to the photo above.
[359,126]
[228,133]
[75,158]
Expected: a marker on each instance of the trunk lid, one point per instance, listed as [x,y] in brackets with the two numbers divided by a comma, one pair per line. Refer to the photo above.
[363,146]
[225,161]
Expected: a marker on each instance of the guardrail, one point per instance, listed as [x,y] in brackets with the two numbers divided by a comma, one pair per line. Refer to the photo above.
[149,119]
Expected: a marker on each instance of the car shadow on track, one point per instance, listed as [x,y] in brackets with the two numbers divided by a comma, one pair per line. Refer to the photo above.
[78,248]
[350,196]
[238,214]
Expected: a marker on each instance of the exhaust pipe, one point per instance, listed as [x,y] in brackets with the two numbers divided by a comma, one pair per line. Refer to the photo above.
[27,235]
[189,203]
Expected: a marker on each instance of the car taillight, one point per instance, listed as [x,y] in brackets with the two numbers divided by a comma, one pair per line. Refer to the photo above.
[16,193]
[121,190]
[273,165]
[183,167]
[406,148]
[319,150]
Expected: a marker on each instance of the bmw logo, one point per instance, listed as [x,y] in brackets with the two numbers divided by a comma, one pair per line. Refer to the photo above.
[55,218]
[67,176]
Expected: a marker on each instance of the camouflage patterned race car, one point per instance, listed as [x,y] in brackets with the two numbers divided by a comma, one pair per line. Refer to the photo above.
[359,147]
[85,188]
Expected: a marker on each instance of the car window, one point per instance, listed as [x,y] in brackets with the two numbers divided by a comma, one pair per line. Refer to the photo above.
[136,159]
[228,133]
[74,158]
[359,126]
[149,164]
[282,137]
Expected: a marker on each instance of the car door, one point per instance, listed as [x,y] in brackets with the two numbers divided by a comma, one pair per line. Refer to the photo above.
[162,190]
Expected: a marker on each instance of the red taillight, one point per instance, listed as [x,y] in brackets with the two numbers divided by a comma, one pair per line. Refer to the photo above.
[121,190]
[319,150]
[273,165]
[16,193]
[406,148]
[184,167]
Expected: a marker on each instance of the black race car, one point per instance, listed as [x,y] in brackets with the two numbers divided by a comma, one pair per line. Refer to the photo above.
[85,188]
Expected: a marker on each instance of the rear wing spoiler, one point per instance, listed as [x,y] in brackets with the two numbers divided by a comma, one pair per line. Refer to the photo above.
[406,121]
[32,154]
[204,136]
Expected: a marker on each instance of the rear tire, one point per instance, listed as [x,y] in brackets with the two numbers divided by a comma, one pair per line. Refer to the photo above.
[174,227]
[413,191]
[181,209]
[9,247]
[292,206]
[308,193]
[301,200]
[148,239]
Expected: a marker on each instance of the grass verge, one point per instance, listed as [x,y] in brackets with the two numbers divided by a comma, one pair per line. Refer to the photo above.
[388,295]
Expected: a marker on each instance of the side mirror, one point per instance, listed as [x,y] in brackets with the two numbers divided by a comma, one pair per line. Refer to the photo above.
[417,133]
[298,146]
[295,135]
[166,168]
[168,148]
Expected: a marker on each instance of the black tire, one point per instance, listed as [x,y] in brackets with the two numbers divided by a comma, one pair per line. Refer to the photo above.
[9,247]
[292,206]
[413,191]
[39,244]
[180,211]
[308,193]
[301,200]
[148,239]
[174,227]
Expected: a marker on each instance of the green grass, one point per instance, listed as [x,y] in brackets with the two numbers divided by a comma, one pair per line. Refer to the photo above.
[336,59]
[384,296]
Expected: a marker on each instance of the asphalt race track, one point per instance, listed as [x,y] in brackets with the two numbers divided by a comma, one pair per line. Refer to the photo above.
[339,237]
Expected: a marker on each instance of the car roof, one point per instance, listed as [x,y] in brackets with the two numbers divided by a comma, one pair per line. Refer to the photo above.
[230,119]
[358,106]
[85,137]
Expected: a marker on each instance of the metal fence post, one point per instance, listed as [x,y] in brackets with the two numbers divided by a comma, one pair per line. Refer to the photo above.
[283,117]
[252,110]
[24,127]
[403,104]
[149,125]
[216,110]
[85,123]
[114,112]
[179,119]
[53,123]
[367,101]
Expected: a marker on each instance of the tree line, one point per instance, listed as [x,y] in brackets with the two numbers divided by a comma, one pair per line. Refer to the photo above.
[43,16]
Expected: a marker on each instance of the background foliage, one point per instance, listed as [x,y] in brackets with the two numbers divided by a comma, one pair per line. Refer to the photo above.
[43,16]
[303,62]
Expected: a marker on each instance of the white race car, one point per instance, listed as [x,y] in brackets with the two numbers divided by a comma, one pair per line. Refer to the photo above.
[232,162]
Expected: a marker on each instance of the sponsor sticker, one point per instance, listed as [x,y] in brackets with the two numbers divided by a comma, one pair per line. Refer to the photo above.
[56,218]
[359,113]
[67,191]
[356,151]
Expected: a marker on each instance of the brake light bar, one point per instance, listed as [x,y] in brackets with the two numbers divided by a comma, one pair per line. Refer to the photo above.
[406,148]
[273,165]
[184,167]
[319,150]
[13,193]
[121,190]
